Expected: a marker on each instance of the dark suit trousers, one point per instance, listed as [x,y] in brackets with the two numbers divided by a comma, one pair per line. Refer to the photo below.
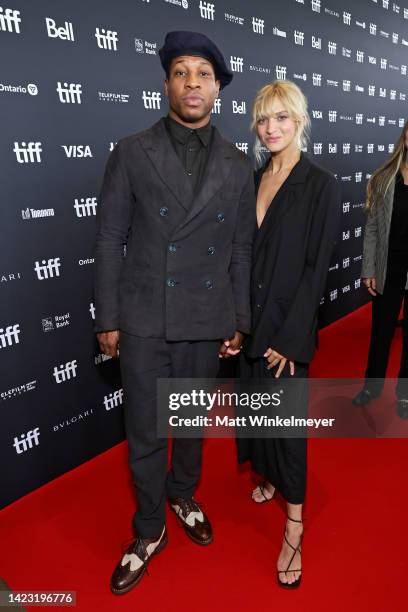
[143,361]
[385,311]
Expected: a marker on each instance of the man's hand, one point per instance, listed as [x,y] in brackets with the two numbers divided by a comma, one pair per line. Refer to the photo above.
[231,346]
[273,358]
[371,285]
[109,342]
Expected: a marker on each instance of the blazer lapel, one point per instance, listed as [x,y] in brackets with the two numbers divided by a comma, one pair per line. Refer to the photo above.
[157,145]
[218,168]
[387,207]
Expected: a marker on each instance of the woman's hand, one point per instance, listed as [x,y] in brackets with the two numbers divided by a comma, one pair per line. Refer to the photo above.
[371,285]
[273,358]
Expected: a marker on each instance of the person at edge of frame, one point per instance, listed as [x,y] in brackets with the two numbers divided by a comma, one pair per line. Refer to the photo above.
[175,225]
[385,272]
[298,212]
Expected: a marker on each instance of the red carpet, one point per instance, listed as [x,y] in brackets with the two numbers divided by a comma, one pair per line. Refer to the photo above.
[68,534]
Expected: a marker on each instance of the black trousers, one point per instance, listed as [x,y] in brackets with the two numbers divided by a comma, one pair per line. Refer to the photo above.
[142,362]
[385,311]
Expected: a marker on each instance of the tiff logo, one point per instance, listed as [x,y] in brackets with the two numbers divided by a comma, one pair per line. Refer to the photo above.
[385,3]
[346,262]
[317,148]
[27,441]
[65,371]
[85,207]
[280,72]
[69,93]
[371,90]
[299,37]
[317,79]
[383,63]
[151,99]
[9,336]
[360,56]
[370,147]
[346,207]
[332,47]
[333,295]
[28,153]
[346,85]
[258,25]
[112,400]
[357,232]
[373,29]
[393,94]
[9,20]
[106,39]
[207,10]
[359,118]
[332,116]
[383,92]
[346,18]
[92,310]
[357,283]
[346,148]
[242,146]
[65,32]
[359,176]
[47,269]
[236,63]
[404,69]
[316,6]
[216,109]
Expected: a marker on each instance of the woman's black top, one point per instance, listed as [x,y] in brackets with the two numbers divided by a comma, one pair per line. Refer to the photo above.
[398,239]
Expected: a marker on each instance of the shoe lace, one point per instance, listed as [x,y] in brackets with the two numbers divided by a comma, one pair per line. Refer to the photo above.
[189,505]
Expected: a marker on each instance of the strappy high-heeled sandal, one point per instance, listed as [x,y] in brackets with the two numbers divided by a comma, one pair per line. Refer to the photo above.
[261,489]
[296,583]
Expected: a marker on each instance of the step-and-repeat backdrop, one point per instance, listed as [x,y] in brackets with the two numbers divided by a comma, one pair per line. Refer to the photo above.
[78,75]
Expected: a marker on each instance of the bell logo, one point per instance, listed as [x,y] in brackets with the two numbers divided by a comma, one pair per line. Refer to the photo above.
[28,153]
[27,441]
[9,20]
[106,39]
[65,371]
[9,336]
[113,400]
[69,93]
[64,32]
[47,269]
[239,109]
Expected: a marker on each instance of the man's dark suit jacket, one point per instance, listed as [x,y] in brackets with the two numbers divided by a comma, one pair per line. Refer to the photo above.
[169,264]
[291,257]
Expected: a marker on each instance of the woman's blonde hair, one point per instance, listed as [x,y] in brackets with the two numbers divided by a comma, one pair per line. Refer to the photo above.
[294,101]
[382,178]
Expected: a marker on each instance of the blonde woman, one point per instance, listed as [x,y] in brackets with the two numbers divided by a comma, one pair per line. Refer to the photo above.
[297,210]
[384,271]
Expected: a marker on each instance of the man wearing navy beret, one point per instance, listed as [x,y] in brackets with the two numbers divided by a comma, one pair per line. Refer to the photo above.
[175,224]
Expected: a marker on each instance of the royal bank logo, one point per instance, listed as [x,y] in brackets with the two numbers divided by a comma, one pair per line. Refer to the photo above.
[31,88]
[316,6]
[332,47]
[92,310]
[258,25]
[346,18]
[242,146]
[239,108]
[383,92]
[16,391]
[113,400]
[207,10]
[359,88]
[66,371]
[317,79]
[55,322]
[299,37]
[236,63]
[280,72]
[69,93]
[10,20]
[107,96]
[47,268]
[396,8]
[9,335]
[216,109]
[403,69]
[27,441]
[316,43]
[393,94]
[65,32]
[85,207]
[386,4]
[37,213]
[28,153]
[151,100]
[143,46]
[101,358]
[106,39]
[395,38]
[77,151]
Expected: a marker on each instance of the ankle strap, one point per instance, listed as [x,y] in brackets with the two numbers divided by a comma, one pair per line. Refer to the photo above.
[294,520]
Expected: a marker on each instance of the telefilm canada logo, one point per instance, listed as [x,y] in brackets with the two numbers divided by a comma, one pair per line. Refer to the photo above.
[19,390]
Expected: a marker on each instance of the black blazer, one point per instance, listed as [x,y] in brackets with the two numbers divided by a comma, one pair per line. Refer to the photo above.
[291,257]
[167,264]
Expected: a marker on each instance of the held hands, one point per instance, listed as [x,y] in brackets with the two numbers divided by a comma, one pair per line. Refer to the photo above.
[273,358]
[231,346]
[109,343]
[371,285]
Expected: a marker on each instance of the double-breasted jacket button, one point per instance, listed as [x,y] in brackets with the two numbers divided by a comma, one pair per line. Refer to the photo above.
[209,284]
[259,305]
[172,248]
[163,211]
[211,250]
[220,217]
[171,282]
[259,285]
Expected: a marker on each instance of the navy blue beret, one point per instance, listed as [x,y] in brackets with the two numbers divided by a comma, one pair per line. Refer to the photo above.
[194,43]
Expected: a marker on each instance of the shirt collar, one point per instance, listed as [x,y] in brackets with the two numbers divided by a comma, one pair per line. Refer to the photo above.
[181,133]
